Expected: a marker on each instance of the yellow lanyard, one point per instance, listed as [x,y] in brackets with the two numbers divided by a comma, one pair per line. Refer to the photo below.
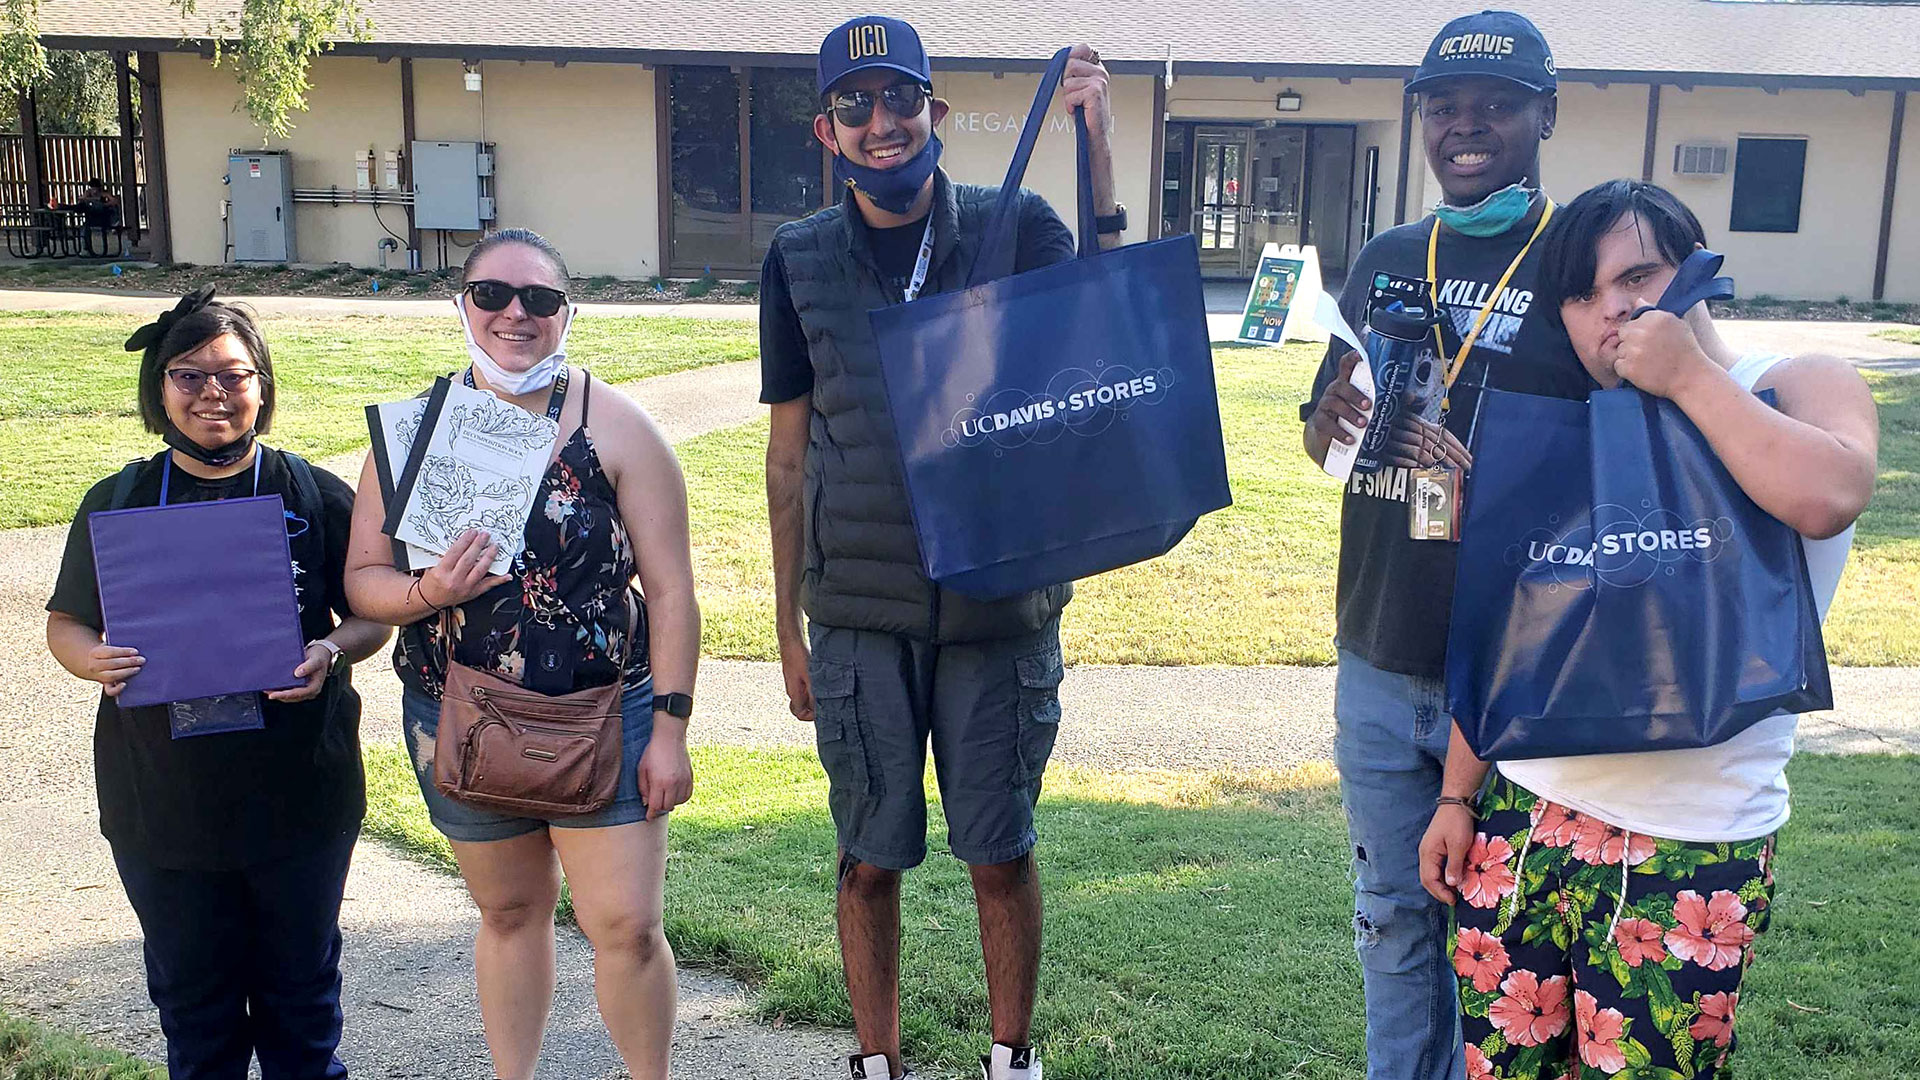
[1486,309]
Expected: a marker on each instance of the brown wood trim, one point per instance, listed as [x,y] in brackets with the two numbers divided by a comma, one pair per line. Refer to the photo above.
[1886,196]
[36,171]
[1157,167]
[407,135]
[129,175]
[153,132]
[1406,152]
[1653,133]
[745,78]
[663,143]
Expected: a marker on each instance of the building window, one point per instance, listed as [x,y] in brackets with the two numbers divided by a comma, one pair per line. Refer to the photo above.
[743,161]
[1768,175]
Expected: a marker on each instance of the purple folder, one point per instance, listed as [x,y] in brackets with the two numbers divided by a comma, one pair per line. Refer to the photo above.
[205,592]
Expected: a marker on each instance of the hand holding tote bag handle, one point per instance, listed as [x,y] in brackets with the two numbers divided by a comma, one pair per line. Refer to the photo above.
[1061,422]
[1617,590]
[996,258]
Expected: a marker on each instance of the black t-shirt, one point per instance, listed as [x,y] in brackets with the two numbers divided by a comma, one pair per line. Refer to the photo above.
[786,368]
[1395,594]
[223,801]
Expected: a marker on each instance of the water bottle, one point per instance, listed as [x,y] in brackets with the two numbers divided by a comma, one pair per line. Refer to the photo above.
[1399,343]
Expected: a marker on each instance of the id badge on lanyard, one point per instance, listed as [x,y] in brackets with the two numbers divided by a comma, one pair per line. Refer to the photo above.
[1435,490]
[225,712]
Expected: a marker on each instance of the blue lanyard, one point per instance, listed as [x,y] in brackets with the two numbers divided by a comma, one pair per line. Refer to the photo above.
[166,473]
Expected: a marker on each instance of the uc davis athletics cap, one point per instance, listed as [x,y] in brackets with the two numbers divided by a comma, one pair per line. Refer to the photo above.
[872,41]
[1503,44]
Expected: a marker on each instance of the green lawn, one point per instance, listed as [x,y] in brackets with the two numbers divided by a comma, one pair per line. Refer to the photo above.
[1908,334]
[68,416]
[1198,927]
[30,1051]
[1253,584]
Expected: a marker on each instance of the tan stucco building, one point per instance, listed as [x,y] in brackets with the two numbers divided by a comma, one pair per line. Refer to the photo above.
[670,138]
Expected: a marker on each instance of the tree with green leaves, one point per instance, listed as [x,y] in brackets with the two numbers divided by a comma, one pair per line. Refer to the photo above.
[270,49]
[76,98]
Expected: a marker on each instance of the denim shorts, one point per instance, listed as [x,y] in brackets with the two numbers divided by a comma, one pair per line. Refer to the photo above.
[473,824]
[989,709]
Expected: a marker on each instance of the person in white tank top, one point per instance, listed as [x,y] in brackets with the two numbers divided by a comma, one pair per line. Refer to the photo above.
[1607,905]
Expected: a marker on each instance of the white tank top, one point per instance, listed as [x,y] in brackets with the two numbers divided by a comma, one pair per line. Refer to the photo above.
[1736,790]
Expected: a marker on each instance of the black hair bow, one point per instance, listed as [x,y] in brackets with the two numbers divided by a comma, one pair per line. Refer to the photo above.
[151,334]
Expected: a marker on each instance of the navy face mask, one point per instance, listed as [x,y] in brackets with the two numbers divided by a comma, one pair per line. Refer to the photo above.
[219,457]
[892,190]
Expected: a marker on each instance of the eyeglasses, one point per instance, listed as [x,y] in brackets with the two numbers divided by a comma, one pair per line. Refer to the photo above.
[190,381]
[538,300]
[854,108]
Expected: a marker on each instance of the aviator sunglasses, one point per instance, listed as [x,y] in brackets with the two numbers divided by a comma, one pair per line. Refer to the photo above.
[538,300]
[854,108]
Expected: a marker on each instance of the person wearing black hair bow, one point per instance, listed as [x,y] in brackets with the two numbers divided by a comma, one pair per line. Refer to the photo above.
[232,843]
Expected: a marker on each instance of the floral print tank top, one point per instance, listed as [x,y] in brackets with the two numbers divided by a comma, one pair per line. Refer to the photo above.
[561,624]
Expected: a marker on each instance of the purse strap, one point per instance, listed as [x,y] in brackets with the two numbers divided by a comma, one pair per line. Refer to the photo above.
[997,251]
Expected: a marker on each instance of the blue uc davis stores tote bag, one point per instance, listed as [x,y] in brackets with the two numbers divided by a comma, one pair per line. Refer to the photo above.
[1061,422]
[1617,591]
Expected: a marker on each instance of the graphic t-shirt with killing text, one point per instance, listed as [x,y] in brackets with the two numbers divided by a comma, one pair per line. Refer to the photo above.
[1395,593]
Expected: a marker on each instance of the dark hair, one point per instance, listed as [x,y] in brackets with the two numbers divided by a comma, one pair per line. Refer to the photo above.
[96,182]
[189,333]
[523,237]
[1569,251]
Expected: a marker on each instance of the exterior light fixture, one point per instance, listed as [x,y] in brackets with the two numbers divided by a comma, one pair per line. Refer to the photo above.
[1288,100]
[471,76]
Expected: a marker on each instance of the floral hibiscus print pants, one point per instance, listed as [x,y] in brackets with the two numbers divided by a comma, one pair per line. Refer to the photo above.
[1585,951]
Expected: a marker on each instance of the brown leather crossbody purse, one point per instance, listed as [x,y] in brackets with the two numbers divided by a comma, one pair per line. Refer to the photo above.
[504,747]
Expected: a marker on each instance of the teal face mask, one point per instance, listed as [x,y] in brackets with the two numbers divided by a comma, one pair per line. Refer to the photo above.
[1491,216]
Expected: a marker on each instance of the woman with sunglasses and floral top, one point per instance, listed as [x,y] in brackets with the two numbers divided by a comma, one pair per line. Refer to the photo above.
[233,843]
[611,504]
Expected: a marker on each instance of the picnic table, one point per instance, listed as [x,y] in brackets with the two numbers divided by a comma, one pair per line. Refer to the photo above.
[54,232]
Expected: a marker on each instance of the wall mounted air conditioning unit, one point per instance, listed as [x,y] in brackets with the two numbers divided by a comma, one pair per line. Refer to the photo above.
[1700,159]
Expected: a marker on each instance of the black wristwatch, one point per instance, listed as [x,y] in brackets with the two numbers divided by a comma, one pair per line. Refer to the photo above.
[1108,224]
[679,706]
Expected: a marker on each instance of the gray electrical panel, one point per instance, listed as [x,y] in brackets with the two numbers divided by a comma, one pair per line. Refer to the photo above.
[448,188]
[260,205]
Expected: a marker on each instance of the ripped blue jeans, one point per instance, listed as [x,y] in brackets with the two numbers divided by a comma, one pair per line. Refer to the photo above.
[1390,743]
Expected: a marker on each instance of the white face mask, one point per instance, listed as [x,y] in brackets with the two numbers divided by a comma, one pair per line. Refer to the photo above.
[514,383]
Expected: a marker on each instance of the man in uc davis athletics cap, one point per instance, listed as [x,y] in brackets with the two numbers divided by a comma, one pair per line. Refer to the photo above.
[1486,103]
[884,660]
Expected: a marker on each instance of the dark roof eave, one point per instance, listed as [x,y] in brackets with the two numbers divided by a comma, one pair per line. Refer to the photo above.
[547,54]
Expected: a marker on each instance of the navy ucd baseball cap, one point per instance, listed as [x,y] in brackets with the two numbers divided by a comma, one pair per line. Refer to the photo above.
[1503,44]
[872,41]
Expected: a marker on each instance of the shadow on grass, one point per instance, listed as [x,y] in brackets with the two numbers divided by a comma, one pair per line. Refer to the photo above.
[1199,926]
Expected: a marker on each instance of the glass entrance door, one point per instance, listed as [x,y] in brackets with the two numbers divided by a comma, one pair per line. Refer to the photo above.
[1219,187]
[1276,207]
[1240,187]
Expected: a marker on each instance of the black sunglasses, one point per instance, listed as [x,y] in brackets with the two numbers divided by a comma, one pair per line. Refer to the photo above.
[538,300]
[854,108]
